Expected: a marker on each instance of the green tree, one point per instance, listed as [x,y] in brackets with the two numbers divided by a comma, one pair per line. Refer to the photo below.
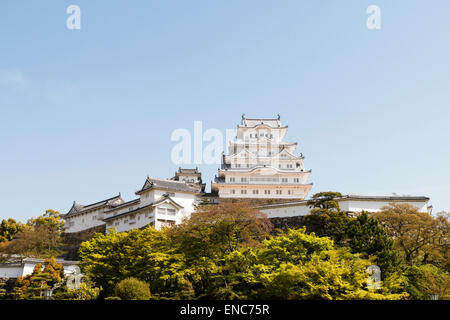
[363,234]
[214,230]
[324,202]
[148,255]
[33,286]
[226,252]
[132,289]
[323,279]
[296,265]
[2,290]
[421,237]
[41,238]
[86,291]
[9,229]
[326,219]
[424,280]
[367,236]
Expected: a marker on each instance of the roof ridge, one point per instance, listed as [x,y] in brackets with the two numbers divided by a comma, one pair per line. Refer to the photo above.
[91,204]
[168,180]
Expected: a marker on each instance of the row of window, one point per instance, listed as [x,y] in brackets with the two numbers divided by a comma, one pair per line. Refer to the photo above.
[131,219]
[261,134]
[264,179]
[247,165]
[266,192]
[168,211]
[233,179]
[165,211]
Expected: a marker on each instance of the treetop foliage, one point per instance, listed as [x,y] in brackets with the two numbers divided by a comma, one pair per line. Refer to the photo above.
[132,289]
[421,237]
[324,202]
[226,252]
[40,237]
[230,251]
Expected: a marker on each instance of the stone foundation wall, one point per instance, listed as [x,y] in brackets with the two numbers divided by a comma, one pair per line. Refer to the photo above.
[289,223]
[73,240]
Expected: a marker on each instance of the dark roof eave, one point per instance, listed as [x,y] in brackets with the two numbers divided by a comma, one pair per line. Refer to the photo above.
[125,204]
[166,189]
[383,198]
[88,207]
[262,124]
[351,197]
[127,212]
[144,207]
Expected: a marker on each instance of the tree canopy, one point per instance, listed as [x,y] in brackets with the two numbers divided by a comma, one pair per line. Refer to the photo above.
[40,237]
[132,289]
[421,237]
[10,228]
[226,252]
[231,251]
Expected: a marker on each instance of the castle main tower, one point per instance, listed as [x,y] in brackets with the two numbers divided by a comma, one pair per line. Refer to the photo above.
[260,164]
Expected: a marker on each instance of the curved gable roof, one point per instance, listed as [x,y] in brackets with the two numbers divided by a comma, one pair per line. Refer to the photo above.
[169,185]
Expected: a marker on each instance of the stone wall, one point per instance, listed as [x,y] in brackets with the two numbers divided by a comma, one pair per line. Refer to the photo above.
[289,223]
[73,240]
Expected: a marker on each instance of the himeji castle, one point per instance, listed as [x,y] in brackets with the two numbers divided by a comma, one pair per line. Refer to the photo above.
[161,202]
[261,164]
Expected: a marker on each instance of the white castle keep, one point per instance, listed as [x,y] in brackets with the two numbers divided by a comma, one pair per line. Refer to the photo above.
[260,166]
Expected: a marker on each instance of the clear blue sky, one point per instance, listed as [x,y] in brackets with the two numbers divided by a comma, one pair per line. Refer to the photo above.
[88,113]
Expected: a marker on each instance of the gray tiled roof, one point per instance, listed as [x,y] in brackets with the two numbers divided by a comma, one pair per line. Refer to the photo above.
[127,212]
[124,204]
[353,197]
[79,208]
[252,122]
[385,198]
[167,197]
[169,185]
[162,199]
[188,170]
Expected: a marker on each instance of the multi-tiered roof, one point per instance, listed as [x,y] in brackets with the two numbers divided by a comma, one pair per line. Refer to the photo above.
[261,164]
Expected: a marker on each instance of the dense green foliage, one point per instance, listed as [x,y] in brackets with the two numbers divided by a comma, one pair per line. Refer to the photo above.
[424,280]
[34,285]
[422,238]
[229,251]
[86,291]
[364,234]
[132,289]
[40,237]
[218,254]
[2,289]
[9,229]
[400,240]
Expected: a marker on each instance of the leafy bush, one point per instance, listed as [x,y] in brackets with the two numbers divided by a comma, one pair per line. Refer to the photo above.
[85,292]
[427,279]
[132,289]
